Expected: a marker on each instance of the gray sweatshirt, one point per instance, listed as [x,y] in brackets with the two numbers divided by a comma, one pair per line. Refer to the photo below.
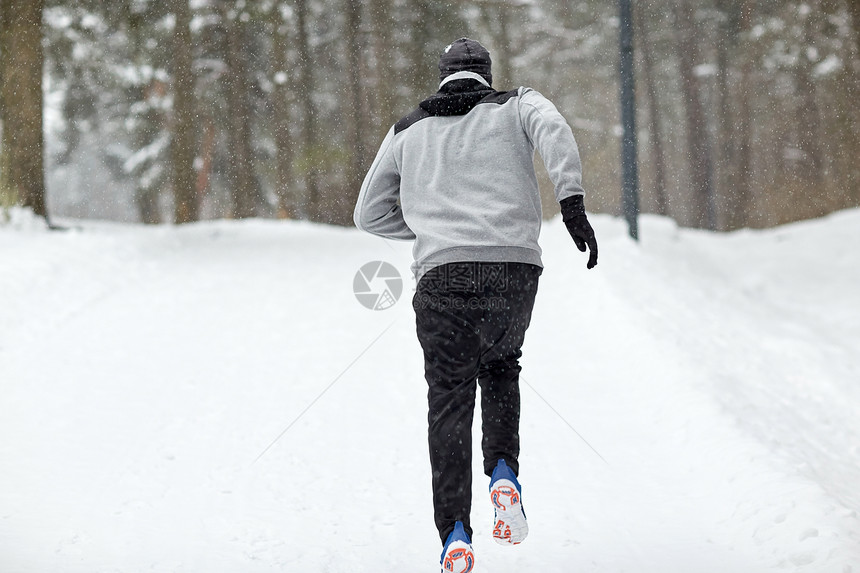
[464,186]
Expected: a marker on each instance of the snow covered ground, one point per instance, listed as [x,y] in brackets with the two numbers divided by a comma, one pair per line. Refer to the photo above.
[143,372]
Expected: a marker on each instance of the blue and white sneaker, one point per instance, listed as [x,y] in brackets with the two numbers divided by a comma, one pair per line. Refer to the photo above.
[457,556]
[510,526]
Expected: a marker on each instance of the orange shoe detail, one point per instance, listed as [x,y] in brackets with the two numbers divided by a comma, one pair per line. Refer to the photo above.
[459,560]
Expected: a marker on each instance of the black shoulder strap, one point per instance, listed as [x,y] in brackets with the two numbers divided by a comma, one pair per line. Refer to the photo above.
[500,97]
[410,119]
[420,113]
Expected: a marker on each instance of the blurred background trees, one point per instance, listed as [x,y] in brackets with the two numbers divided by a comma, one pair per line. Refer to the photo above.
[176,110]
[22,143]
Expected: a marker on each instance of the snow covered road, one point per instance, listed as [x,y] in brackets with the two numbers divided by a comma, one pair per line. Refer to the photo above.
[143,372]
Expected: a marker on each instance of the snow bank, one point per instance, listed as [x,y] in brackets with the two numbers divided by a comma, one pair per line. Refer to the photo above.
[145,370]
[20,219]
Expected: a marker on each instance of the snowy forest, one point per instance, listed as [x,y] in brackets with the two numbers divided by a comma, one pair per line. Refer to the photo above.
[240,394]
[179,110]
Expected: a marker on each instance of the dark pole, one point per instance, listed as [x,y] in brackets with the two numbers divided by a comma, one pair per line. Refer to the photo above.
[630,181]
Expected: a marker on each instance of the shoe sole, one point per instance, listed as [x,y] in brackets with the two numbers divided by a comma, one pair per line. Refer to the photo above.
[458,558]
[511,527]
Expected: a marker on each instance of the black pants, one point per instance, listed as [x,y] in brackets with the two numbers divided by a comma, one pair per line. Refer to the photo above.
[471,321]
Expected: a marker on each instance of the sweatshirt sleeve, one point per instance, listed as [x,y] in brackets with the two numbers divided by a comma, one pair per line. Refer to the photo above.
[377,210]
[551,135]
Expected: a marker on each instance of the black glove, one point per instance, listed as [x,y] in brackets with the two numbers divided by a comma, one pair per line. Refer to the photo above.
[573,215]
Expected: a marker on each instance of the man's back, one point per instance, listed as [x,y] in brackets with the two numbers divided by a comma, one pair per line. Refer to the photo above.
[463,164]
[468,189]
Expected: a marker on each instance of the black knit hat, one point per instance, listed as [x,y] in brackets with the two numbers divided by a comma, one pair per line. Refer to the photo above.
[465,55]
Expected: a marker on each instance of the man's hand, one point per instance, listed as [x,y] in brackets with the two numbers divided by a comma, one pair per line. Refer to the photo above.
[573,215]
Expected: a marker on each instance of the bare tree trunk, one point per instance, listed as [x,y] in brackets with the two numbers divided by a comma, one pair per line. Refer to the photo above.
[725,145]
[854,8]
[808,118]
[734,119]
[416,78]
[739,199]
[355,111]
[281,103]
[241,168]
[654,124]
[701,170]
[853,89]
[383,52]
[207,150]
[147,206]
[4,33]
[23,139]
[186,206]
[497,17]
[309,126]
[6,196]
